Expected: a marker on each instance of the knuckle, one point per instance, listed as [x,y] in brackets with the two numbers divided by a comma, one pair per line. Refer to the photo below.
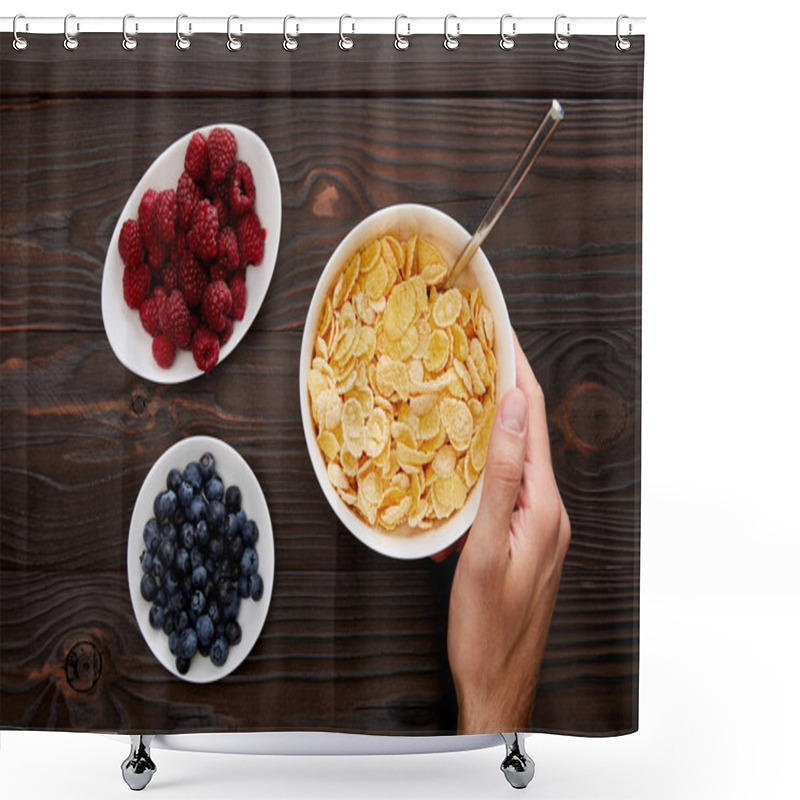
[505,469]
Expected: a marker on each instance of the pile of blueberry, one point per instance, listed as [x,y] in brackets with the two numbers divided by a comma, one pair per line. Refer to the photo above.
[199,563]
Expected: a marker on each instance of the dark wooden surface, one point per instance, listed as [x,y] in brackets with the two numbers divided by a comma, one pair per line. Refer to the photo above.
[353,641]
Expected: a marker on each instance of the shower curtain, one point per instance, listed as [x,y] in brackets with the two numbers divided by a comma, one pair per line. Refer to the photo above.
[331,633]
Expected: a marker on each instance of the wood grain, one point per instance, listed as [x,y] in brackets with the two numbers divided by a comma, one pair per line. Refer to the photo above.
[353,641]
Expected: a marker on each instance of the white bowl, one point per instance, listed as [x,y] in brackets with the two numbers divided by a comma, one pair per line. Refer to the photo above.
[233,469]
[128,339]
[449,237]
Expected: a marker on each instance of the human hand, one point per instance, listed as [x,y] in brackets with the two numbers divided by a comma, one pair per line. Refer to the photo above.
[507,577]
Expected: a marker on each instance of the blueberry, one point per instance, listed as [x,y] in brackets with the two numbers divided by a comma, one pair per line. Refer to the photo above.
[174,480]
[177,602]
[148,587]
[250,532]
[199,577]
[236,548]
[241,517]
[198,602]
[158,567]
[233,498]
[256,587]
[205,629]
[193,476]
[231,526]
[182,665]
[243,587]
[198,508]
[215,515]
[210,565]
[226,568]
[188,535]
[231,611]
[182,560]
[152,535]
[207,465]
[196,557]
[146,561]
[225,592]
[156,617]
[173,642]
[201,533]
[171,582]
[192,617]
[169,622]
[249,562]
[209,590]
[161,597]
[185,494]
[213,612]
[219,652]
[181,621]
[165,505]
[186,584]
[233,632]
[166,553]
[187,644]
[214,488]
[169,533]
[203,649]
[216,548]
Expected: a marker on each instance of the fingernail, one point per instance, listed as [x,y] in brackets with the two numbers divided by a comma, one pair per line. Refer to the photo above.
[514,413]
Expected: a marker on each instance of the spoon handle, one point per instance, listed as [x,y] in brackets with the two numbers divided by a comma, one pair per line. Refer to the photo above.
[524,163]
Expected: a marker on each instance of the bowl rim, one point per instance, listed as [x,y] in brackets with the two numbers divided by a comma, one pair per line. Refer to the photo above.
[111,301]
[441,536]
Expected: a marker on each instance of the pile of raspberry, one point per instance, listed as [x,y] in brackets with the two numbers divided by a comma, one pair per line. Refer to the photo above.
[186,254]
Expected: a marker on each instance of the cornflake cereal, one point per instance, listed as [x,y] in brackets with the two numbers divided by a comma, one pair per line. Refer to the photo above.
[402,385]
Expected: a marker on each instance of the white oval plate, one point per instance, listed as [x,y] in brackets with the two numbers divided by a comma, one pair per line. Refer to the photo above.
[128,339]
[233,469]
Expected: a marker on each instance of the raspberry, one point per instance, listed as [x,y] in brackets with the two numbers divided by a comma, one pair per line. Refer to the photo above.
[217,302]
[136,284]
[157,254]
[221,152]
[242,196]
[250,236]
[148,314]
[163,351]
[174,319]
[239,297]
[191,278]
[228,256]
[205,348]
[165,214]
[216,272]
[226,331]
[188,196]
[196,161]
[222,210]
[195,320]
[202,236]
[130,243]
[146,221]
[169,276]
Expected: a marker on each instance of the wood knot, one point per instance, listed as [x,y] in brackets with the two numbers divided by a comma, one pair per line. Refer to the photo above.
[592,417]
[138,404]
[83,666]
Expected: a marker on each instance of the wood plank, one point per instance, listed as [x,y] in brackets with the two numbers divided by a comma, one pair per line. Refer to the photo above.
[590,67]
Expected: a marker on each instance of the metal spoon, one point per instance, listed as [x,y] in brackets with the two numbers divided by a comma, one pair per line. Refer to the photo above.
[524,163]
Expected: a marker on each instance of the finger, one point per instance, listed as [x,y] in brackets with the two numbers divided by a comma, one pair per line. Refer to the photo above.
[505,463]
[538,434]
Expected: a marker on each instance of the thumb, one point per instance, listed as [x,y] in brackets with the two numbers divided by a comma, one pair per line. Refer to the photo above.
[504,465]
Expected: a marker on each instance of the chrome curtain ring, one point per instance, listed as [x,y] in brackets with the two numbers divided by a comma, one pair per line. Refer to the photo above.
[70,42]
[345,42]
[623,43]
[451,40]
[401,42]
[182,43]
[19,42]
[507,40]
[560,42]
[289,42]
[128,42]
[234,43]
